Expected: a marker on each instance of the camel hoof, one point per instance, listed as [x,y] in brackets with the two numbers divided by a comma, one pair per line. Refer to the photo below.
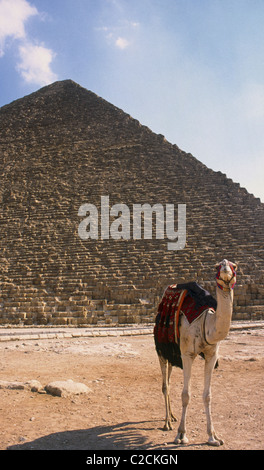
[167,427]
[181,439]
[215,442]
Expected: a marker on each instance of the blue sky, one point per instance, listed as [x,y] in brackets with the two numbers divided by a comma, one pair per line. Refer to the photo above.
[192,70]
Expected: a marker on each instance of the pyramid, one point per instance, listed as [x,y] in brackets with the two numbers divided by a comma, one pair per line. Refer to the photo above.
[63,147]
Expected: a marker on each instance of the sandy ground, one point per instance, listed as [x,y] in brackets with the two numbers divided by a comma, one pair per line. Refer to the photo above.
[125,408]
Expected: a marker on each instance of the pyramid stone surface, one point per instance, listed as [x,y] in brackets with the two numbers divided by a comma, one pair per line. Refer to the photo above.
[63,146]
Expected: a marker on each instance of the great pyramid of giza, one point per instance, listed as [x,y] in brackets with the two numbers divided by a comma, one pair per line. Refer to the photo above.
[62,147]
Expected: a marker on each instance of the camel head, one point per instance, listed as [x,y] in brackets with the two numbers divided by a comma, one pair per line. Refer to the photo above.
[226,274]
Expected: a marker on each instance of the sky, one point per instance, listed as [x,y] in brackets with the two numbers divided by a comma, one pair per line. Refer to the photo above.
[192,70]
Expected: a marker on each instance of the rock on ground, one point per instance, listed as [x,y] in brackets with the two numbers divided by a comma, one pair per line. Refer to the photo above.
[57,388]
[66,388]
[32,385]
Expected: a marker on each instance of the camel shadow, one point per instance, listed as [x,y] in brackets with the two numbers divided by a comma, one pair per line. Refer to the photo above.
[122,436]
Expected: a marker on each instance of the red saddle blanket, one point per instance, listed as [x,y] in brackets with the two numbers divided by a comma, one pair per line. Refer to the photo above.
[165,327]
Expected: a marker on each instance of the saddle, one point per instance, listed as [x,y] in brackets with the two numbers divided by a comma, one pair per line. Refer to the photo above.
[176,301]
[190,300]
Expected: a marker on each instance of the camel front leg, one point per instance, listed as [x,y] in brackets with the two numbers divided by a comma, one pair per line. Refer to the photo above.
[181,437]
[208,370]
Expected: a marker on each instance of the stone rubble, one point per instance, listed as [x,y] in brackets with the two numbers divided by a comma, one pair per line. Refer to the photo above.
[60,388]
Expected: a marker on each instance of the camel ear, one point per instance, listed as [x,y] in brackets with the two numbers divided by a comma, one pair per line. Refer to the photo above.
[235,266]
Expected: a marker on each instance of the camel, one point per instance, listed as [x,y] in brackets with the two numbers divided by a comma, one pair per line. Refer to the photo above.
[202,337]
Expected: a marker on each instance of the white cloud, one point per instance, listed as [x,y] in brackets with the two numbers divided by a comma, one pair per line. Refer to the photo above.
[35,60]
[122,43]
[116,35]
[13,15]
[35,64]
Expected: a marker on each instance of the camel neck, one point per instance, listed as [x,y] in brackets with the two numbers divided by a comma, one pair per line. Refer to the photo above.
[217,326]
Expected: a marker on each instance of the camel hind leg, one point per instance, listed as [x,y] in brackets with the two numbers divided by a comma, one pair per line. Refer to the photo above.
[181,437]
[166,369]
